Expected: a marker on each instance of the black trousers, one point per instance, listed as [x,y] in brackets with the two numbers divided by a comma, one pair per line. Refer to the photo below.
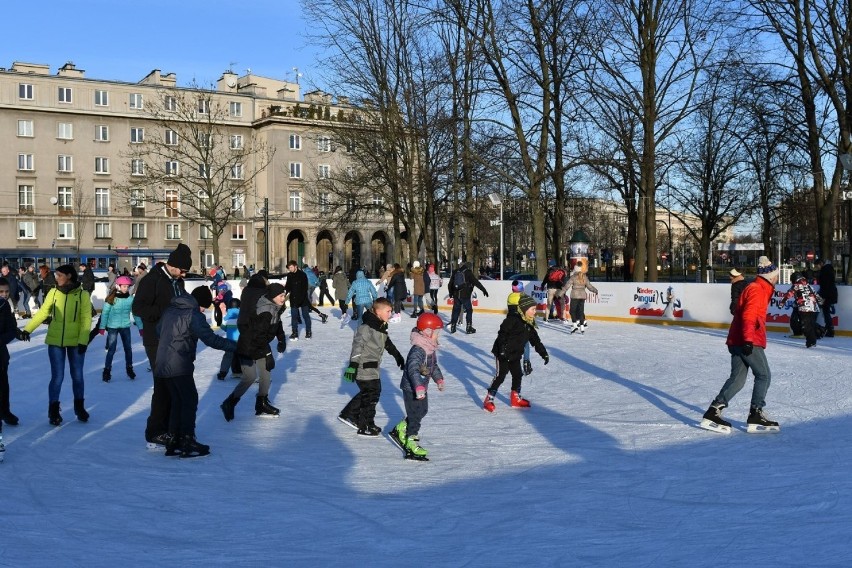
[161,398]
[826,316]
[362,408]
[184,397]
[808,326]
[457,308]
[504,367]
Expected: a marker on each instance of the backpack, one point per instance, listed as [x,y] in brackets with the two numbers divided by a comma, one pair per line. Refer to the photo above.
[459,279]
[556,276]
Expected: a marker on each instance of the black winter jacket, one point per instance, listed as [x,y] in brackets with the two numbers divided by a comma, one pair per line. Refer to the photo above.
[8,326]
[259,330]
[254,290]
[466,291]
[397,284]
[513,335]
[180,328]
[87,280]
[297,287]
[153,296]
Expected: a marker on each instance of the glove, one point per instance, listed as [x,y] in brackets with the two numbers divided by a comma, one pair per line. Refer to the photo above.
[420,393]
[81,349]
[282,347]
[22,335]
[440,384]
[270,362]
[748,348]
[485,293]
[546,358]
[527,367]
[101,331]
[400,362]
[351,372]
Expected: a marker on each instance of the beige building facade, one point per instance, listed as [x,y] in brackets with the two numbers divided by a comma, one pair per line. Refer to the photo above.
[65,141]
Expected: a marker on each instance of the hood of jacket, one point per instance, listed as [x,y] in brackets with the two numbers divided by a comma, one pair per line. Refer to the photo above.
[360,275]
[372,320]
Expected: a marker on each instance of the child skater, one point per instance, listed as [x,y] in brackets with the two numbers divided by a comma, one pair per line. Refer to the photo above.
[512,306]
[8,332]
[808,303]
[181,326]
[115,322]
[515,331]
[232,332]
[420,366]
[371,339]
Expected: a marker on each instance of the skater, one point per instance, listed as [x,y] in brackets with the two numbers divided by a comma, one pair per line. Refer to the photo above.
[32,287]
[578,283]
[115,321]
[515,331]
[555,280]
[232,332]
[421,366]
[738,284]
[461,286]
[14,287]
[340,283]
[221,300]
[255,354]
[512,306]
[8,332]
[746,343]
[181,326]
[48,282]
[420,283]
[323,290]
[70,310]
[396,284]
[153,295]
[370,341]
[435,283]
[828,290]
[362,293]
[807,303]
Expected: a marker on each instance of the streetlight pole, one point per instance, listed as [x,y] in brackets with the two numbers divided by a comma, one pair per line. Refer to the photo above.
[496,201]
[669,229]
[266,233]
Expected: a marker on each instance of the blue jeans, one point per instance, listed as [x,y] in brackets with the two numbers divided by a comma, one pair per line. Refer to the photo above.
[111,342]
[306,317]
[457,308]
[359,309]
[57,371]
[418,303]
[740,364]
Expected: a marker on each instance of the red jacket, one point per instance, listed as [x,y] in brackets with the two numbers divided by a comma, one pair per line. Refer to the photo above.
[749,325]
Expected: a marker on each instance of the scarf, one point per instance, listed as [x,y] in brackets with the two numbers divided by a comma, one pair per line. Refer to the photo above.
[424,342]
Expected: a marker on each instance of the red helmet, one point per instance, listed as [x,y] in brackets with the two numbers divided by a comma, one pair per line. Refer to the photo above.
[429,321]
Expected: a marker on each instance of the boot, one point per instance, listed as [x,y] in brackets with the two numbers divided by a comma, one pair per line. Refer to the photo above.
[517,401]
[80,410]
[470,329]
[399,434]
[452,328]
[488,405]
[228,405]
[758,422]
[435,308]
[53,414]
[413,451]
[262,407]
[107,376]
[130,372]
[173,445]
[713,420]
[191,448]
[9,418]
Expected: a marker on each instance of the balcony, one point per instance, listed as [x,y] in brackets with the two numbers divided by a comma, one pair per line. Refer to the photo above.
[295,214]
[25,209]
[65,210]
[137,211]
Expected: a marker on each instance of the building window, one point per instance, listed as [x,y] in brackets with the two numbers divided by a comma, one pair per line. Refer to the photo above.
[324,200]
[137,198]
[26,229]
[137,167]
[237,171]
[323,144]
[137,135]
[65,230]
[204,171]
[377,203]
[64,95]
[350,172]
[295,201]
[101,165]
[204,140]
[171,168]
[138,231]
[65,163]
[171,138]
[103,231]
[26,198]
[65,131]
[25,91]
[172,203]
[236,142]
[65,199]
[235,108]
[238,203]
[350,145]
[102,201]
[136,101]
[295,142]
[25,128]
[26,162]
[203,106]
[101,98]
[169,103]
[238,232]
[172,231]
[204,232]
[296,170]
[101,133]
[324,171]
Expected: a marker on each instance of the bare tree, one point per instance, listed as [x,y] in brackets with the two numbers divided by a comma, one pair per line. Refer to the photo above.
[190,162]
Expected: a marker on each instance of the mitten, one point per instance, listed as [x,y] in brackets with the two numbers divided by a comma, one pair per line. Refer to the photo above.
[400,362]
[351,371]
[81,349]
[440,383]
[546,358]
[101,331]
[420,392]
[485,293]
[140,332]
[282,347]
[22,335]
[527,367]
[270,362]
[748,348]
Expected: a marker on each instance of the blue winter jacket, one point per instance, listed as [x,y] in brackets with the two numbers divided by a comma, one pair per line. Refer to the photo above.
[362,290]
[313,279]
[229,324]
[419,369]
[118,314]
[180,328]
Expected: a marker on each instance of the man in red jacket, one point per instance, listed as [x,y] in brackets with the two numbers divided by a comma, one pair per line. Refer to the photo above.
[746,343]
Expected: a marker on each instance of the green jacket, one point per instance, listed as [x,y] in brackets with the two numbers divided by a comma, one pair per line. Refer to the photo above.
[70,311]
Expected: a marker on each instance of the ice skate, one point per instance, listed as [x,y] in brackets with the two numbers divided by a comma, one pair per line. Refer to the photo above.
[517,401]
[370,431]
[324,318]
[158,442]
[713,420]
[758,423]
[488,404]
[413,451]
[348,421]
[130,372]
[575,326]
[263,408]
[191,448]
[107,375]
[399,434]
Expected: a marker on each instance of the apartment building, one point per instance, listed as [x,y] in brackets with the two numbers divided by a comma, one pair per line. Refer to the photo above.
[67,142]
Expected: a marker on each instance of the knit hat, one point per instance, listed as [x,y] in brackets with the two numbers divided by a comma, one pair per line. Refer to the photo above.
[526,302]
[514,298]
[415,264]
[181,257]
[274,290]
[517,286]
[202,294]
[123,281]
[68,271]
[734,273]
[766,269]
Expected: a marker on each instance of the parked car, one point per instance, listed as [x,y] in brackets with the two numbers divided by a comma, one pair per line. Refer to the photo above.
[524,277]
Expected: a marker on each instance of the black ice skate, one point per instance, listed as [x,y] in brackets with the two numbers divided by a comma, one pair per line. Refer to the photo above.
[713,420]
[759,424]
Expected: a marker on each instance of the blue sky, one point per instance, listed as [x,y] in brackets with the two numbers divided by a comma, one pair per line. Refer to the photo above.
[195,39]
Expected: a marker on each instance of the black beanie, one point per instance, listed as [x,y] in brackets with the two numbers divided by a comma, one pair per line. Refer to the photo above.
[68,271]
[181,257]
[273,290]
[203,296]
[526,302]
